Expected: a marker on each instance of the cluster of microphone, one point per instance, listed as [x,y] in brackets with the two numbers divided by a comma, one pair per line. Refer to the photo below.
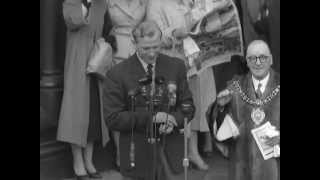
[158,95]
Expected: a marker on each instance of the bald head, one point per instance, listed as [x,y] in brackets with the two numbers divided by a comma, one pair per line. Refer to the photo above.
[258,46]
[147,33]
[259,58]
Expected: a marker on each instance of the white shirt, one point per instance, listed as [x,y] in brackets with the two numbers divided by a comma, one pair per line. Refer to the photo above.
[145,65]
[263,82]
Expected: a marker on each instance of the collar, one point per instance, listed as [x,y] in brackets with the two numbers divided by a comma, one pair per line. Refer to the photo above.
[144,64]
[124,8]
[264,82]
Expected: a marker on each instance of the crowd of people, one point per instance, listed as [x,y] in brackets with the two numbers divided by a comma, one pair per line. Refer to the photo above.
[149,135]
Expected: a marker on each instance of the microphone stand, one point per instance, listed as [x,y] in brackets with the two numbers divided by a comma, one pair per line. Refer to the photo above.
[153,137]
[132,96]
[171,93]
[186,109]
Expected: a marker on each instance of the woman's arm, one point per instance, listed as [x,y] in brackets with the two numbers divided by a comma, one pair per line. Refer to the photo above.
[75,14]
[157,14]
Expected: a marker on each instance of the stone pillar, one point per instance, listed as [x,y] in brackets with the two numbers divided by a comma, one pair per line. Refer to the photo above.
[51,76]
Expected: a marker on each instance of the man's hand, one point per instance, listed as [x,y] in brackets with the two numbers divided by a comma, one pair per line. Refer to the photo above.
[162,117]
[180,33]
[224,97]
[272,136]
[165,128]
[167,122]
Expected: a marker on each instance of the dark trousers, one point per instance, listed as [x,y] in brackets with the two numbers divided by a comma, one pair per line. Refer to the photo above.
[163,171]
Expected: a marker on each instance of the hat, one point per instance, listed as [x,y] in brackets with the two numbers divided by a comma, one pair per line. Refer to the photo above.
[147,33]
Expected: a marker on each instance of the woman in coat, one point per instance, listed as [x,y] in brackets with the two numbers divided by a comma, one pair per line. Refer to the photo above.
[124,16]
[170,16]
[80,122]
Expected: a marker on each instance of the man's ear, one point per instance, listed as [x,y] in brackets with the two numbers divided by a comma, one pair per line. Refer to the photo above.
[271,59]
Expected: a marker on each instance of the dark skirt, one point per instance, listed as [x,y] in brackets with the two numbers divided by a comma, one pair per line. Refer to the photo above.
[94,131]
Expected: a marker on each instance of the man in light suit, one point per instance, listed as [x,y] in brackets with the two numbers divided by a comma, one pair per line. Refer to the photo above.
[121,81]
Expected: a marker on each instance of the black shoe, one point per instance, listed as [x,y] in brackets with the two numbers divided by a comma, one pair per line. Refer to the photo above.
[96,175]
[117,168]
[82,177]
[203,167]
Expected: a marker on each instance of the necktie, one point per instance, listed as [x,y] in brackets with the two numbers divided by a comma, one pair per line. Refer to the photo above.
[149,70]
[258,92]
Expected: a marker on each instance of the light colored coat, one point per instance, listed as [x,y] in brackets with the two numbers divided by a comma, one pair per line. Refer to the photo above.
[124,18]
[74,115]
[169,15]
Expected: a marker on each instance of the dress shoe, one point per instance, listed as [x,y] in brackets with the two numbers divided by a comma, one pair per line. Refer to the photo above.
[198,164]
[96,175]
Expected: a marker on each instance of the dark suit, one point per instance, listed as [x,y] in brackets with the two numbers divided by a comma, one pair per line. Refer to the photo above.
[246,161]
[120,80]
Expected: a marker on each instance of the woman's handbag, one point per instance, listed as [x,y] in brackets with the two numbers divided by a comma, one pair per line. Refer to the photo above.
[100,59]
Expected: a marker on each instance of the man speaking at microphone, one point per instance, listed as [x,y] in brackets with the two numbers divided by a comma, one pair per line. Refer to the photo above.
[134,126]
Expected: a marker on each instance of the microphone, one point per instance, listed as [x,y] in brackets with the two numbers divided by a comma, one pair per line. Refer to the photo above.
[145,81]
[172,95]
[159,80]
[133,92]
[143,85]
[132,95]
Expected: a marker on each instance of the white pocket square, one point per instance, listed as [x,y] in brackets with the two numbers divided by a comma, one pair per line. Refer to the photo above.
[227,129]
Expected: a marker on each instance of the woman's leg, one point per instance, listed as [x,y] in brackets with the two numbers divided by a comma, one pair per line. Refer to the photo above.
[194,155]
[87,156]
[116,136]
[78,163]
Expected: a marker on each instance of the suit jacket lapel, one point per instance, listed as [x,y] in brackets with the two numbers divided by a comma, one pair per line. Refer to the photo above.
[249,87]
[137,69]
[271,84]
[159,66]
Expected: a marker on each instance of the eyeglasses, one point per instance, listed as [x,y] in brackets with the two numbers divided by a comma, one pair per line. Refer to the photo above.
[262,58]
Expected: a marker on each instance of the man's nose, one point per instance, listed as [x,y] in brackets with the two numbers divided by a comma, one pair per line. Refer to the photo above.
[258,62]
[152,52]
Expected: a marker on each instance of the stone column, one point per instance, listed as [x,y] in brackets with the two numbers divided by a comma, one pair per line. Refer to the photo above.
[51,77]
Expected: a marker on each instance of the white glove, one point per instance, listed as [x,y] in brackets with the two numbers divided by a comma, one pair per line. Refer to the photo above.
[162,117]
[224,97]
[167,120]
